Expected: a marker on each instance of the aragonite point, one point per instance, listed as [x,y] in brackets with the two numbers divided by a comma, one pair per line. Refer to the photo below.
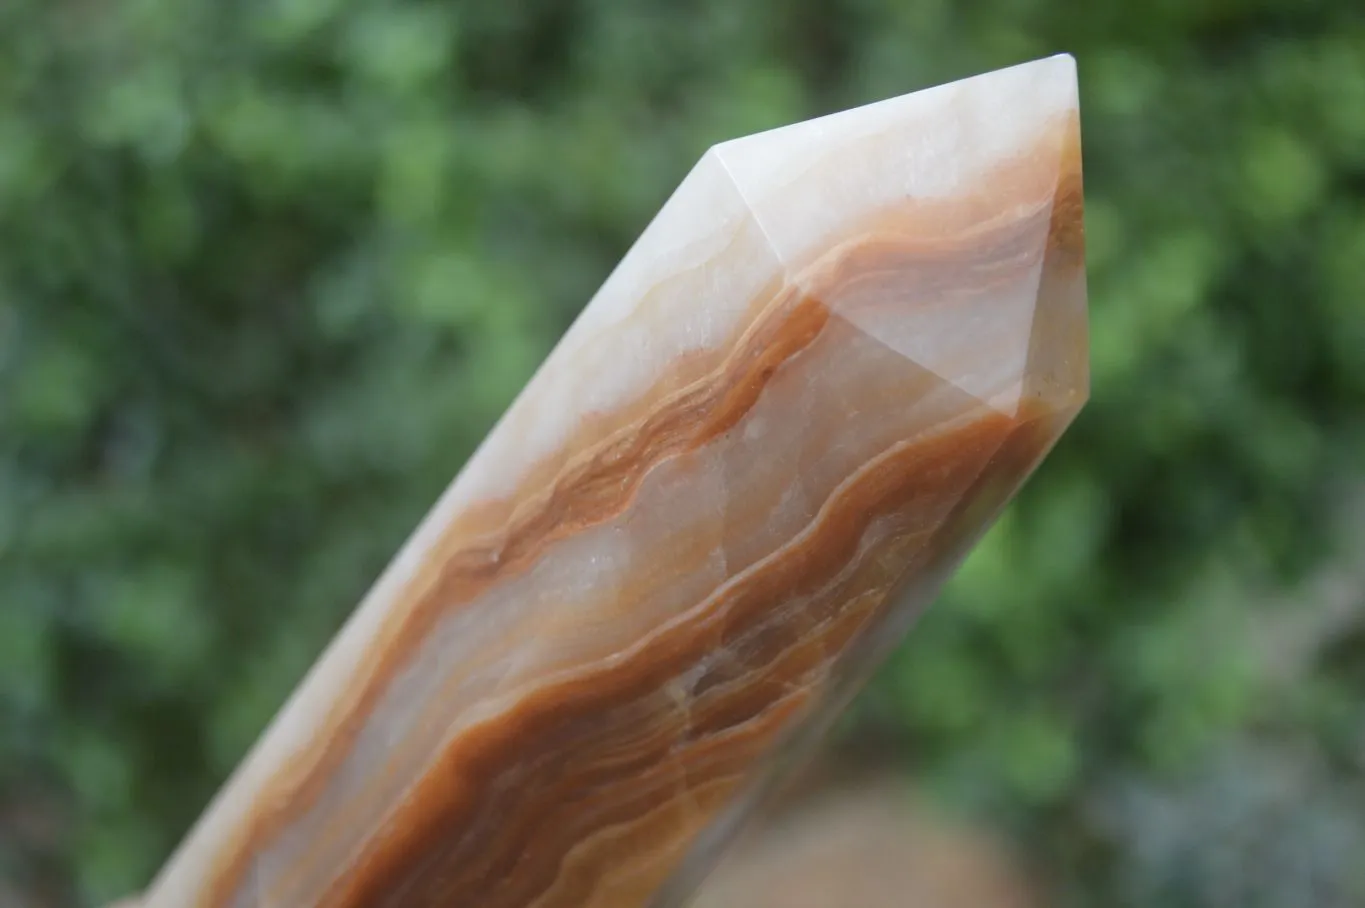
[807,389]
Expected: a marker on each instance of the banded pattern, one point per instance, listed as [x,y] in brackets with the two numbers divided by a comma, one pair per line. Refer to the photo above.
[775,431]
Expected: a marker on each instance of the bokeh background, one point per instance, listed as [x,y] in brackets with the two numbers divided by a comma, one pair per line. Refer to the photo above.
[269,269]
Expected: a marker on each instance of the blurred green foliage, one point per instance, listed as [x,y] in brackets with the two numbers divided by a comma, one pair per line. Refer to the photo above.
[269,270]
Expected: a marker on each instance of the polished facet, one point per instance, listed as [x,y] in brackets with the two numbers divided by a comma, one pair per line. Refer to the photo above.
[812,383]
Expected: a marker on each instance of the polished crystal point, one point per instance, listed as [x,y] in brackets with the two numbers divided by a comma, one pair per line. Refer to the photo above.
[804,393]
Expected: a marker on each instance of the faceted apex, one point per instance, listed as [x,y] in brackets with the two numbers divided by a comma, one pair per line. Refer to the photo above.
[958,210]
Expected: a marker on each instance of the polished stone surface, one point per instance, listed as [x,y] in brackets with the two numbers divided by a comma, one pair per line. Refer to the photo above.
[807,389]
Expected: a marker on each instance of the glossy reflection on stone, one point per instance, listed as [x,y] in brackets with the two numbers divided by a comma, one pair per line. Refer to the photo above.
[807,389]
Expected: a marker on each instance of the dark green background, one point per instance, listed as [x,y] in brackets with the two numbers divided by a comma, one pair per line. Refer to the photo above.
[270,268]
